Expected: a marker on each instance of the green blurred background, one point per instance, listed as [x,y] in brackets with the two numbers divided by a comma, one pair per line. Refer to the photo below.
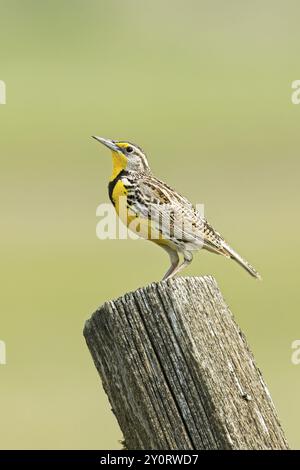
[205,88]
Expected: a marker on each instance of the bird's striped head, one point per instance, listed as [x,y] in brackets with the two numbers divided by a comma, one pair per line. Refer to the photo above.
[126,156]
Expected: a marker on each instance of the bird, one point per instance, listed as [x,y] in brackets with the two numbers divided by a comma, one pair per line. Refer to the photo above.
[153,210]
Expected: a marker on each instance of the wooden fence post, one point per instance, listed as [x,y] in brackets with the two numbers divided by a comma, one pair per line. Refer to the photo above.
[178,372]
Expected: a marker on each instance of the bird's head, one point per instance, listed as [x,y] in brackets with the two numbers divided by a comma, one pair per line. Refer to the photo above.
[126,156]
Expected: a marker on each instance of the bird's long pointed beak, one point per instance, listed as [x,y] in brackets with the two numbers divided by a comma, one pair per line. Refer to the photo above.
[108,143]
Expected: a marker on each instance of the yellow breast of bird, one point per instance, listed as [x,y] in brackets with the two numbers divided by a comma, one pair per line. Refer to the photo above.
[141,226]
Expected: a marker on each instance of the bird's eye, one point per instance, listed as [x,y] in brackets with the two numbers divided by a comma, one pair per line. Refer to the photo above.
[129,149]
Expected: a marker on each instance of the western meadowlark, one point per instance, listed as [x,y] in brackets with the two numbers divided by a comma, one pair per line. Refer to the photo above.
[155,211]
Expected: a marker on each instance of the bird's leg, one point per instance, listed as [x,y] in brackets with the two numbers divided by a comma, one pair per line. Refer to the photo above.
[188,258]
[174,258]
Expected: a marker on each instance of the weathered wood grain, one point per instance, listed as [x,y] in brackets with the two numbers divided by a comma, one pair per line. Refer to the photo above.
[178,372]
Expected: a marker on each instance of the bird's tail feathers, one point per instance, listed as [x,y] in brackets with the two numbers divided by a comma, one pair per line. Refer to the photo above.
[234,255]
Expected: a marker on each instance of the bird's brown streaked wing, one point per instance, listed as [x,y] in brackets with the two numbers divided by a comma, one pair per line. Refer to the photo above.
[174,215]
